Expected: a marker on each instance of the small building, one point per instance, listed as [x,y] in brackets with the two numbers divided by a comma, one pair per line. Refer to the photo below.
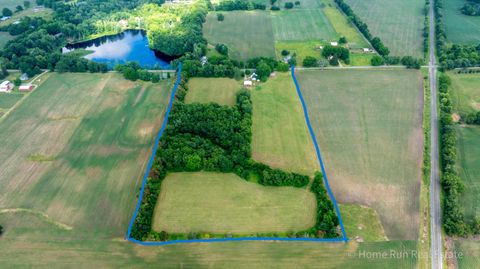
[16,22]
[24,77]
[25,88]
[366,50]
[6,86]
[204,60]
[247,83]
[334,43]
[4,18]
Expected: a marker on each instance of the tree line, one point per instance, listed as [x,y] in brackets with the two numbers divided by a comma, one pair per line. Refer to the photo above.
[471,8]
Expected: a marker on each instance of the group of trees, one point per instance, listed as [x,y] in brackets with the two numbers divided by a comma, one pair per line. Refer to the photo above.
[336,53]
[230,5]
[73,63]
[133,71]
[375,41]
[327,220]
[453,218]
[222,49]
[471,8]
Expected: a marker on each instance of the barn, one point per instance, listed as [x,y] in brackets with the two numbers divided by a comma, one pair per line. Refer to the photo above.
[26,88]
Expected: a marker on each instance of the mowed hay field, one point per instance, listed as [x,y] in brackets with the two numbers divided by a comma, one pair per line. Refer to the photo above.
[217,90]
[226,203]
[470,250]
[465,92]
[460,28]
[247,34]
[75,149]
[369,127]
[468,154]
[280,135]
[399,24]
[302,24]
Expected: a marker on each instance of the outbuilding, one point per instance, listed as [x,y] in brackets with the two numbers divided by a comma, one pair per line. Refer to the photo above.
[247,83]
[26,88]
[6,86]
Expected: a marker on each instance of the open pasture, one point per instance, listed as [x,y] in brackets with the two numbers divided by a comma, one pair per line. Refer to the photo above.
[369,127]
[75,149]
[468,154]
[218,90]
[247,34]
[399,24]
[280,135]
[226,203]
[460,28]
[465,92]
[302,25]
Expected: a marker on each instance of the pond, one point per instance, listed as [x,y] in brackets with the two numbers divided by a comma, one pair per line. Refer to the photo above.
[128,46]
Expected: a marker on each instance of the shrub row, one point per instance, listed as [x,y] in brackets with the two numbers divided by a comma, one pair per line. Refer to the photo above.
[238,5]
[453,218]
[375,41]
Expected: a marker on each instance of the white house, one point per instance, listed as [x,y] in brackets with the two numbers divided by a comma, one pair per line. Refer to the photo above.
[247,83]
[6,86]
[334,43]
[366,50]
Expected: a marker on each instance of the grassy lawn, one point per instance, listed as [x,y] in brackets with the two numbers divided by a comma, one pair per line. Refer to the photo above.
[280,135]
[76,147]
[369,126]
[469,166]
[343,27]
[4,38]
[218,90]
[470,250]
[362,223]
[45,13]
[399,24]
[361,59]
[247,34]
[465,92]
[226,203]
[301,48]
[7,100]
[460,28]
[302,25]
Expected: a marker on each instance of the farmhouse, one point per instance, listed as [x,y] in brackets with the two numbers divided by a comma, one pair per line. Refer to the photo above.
[6,86]
[248,83]
[26,88]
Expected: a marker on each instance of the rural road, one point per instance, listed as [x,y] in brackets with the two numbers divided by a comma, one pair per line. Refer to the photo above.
[435,208]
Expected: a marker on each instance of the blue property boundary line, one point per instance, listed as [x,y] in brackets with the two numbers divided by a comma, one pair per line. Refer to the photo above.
[319,155]
[213,240]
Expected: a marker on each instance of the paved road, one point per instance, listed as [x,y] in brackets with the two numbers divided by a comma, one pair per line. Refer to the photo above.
[435,208]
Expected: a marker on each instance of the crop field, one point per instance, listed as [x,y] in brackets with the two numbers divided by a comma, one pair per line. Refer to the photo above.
[218,90]
[369,126]
[470,250]
[280,136]
[7,100]
[302,24]
[75,149]
[465,92]
[460,28]
[226,203]
[469,166]
[247,34]
[398,24]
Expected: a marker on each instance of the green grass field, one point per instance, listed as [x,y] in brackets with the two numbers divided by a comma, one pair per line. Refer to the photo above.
[470,251]
[218,90]
[7,100]
[45,13]
[343,27]
[302,25]
[369,126]
[76,147]
[301,49]
[399,24]
[362,223]
[459,27]
[4,38]
[468,153]
[226,203]
[247,34]
[280,136]
[465,92]
[11,4]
